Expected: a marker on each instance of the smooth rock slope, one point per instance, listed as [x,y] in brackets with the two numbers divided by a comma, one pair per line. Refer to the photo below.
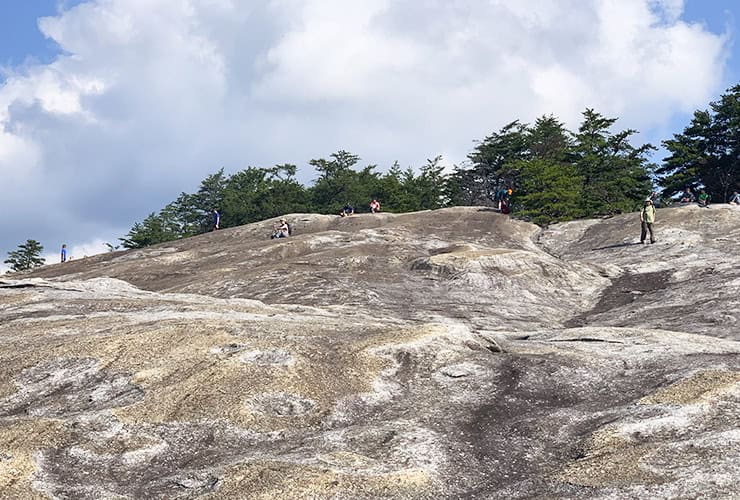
[448,354]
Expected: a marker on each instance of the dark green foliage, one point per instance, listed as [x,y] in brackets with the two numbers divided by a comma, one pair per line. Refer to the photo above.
[155,229]
[556,175]
[614,175]
[26,257]
[461,188]
[245,196]
[427,191]
[491,161]
[255,194]
[548,191]
[210,197]
[249,195]
[391,192]
[286,194]
[707,153]
[548,186]
[339,183]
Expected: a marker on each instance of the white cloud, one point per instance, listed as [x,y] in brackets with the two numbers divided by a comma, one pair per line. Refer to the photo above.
[75,251]
[80,250]
[152,95]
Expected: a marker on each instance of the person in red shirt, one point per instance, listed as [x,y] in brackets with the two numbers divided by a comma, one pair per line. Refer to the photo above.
[375,206]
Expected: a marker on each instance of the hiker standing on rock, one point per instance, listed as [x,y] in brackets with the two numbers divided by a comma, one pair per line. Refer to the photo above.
[216,219]
[647,218]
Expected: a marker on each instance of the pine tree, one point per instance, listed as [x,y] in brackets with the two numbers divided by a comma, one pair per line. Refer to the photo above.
[614,174]
[26,257]
[337,183]
[707,153]
[549,187]
[491,160]
[155,229]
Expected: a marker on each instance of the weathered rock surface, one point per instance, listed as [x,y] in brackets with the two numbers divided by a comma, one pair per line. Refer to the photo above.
[447,354]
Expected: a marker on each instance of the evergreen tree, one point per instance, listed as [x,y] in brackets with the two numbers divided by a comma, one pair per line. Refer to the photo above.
[707,153]
[556,175]
[548,191]
[337,183]
[209,197]
[186,215]
[549,187]
[428,189]
[286,194]
[548,139]
[461,187]
[614,174]
[153,230]
[390,191]
[28,256]
[245,197]
[491,160]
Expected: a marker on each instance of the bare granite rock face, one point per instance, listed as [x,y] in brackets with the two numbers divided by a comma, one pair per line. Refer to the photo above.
[448,354]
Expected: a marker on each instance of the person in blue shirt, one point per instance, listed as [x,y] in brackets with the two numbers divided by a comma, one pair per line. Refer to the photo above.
[216,219]
[734,199]
[64,252]
[347,210]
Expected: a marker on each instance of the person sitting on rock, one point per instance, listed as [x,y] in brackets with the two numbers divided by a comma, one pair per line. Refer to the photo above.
[687,196]
[282,230]
[374,206]
[734,199]
[703,199]
[347,210]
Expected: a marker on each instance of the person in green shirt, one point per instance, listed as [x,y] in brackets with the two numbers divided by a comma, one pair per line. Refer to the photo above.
[647,218]
[703,199]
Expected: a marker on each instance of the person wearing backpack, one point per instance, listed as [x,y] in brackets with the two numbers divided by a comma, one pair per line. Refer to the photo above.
[647,219]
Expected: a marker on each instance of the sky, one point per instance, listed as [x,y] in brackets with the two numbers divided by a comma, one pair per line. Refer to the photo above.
[110,108]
